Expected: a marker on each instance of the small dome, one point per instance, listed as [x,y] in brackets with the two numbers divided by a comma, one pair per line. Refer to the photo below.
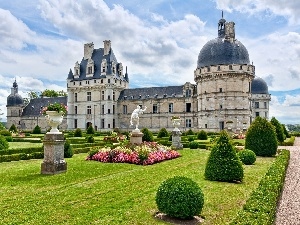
[14,99]
[259,86]
[220,51]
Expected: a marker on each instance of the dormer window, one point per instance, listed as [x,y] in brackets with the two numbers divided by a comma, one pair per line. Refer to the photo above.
[188,93]
[208,69]
[219,68]
[230,67]
[90,68]
[103,67]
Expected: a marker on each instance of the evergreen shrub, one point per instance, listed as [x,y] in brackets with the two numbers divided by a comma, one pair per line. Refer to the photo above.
[223,164]
[5,133]
[190,132]
[3,143]
[202,135]
[13,128]
[279,129]
[180,197]
[78,133]
[68,150]
[163,133]
[261,138]
[37,130]
[90,130]
[193,145]
[148,136]
[90,139]
[247,156]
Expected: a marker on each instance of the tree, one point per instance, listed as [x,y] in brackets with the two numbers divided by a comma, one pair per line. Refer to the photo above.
[148,136]
[261,138]
[279,130]
[285,131]
[223,164]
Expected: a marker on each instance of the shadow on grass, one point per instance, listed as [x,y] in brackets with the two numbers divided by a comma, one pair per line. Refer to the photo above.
[196,220]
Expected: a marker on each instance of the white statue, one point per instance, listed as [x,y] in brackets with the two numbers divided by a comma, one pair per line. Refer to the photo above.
[135,116]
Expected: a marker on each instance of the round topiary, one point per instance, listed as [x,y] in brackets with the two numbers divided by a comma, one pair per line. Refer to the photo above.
[90,130]
[37,130]
[90,139]
[202,135]
[247,156]
[261,138]
[223,164]
[193,145]
[163,133]
[180,197]
[191,138]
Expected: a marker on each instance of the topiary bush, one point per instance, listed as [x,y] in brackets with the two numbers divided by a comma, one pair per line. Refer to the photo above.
[193,145]
[3,143]
[189,132]
[202,135]
[37,130]
[5,133]
[78,133]
[223,164]
[163,133]
[148,136]
[261,138]
[180,197]
[68,151]
[13,128]
[191,138]
[247,156]
[279,129]
[90,139]
[90,130]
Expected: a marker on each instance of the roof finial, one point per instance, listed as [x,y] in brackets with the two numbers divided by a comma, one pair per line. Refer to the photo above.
[222,14]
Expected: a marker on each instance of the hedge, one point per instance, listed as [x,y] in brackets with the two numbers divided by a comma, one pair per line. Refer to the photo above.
[21,156]
[290,142]
[260,208]
[31,140]
[22,150]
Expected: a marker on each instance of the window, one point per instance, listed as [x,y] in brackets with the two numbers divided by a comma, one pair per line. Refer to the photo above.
[188,107]
[256,114]
[108,111]
[102,95]
[154,108]
[114,95]
[108,81]
[74,83]
[75,109]
[266,115]
[108,125]
[108,97]
[265,105]
[208,69]
[114,123]
[230,67]
[89,109]
[114,110]
[89,96]
[75,123]
[188,93]
[75,97]
[221,106]
[124,109]
[206,125]
[170,107]
[90,69]
[77,72]
[95,81]
[219,68]
[102,123]
[102,109]
[220,90]
[256,105]
[80,83]
[101,81]
[188,123]
[103,68]
[241,67]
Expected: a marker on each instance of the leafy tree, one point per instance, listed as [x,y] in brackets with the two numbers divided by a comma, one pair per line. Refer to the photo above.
[3,143]
[13,128]
[279,130]
[163,133]
[49,93]
[223,164]
[261,138]
[148,136]
[37,130]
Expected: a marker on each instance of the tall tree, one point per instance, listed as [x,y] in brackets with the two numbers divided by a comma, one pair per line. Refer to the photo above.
[279,130]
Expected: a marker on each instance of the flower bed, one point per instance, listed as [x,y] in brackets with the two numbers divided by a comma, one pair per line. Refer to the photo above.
[147,153]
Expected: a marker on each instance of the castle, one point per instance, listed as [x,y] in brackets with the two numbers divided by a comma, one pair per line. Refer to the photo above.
[226,93]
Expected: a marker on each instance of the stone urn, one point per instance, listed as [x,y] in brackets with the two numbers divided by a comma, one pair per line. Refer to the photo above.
[54,119]
[176,123]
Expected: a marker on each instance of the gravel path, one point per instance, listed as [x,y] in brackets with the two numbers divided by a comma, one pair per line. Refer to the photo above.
[288,210]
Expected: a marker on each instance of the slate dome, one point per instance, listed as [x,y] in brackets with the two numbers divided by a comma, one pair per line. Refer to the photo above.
[219,51]
[14,99]
[224,49]
[259,86]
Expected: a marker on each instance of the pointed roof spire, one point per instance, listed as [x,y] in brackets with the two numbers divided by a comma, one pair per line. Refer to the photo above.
[126,75]
[222,14]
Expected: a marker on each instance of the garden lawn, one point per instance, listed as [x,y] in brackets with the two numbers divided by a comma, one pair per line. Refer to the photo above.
[91,192]
[19,145]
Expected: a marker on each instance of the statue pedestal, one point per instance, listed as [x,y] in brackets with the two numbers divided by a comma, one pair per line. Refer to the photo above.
[176,139]
[136,137]
[53,154]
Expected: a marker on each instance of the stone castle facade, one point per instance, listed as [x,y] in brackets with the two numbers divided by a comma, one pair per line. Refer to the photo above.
[226,91]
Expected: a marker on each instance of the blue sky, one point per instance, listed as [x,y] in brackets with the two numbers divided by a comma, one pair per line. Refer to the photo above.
[158,40]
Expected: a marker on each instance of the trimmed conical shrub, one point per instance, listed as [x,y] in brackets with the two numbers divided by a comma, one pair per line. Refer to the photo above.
[223,164]
[261,138]
[148,136]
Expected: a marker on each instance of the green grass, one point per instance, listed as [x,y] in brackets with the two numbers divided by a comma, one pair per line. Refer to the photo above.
[19,145]
[101,193]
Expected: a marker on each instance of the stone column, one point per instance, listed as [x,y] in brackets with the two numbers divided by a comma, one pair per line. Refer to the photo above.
[54,162]
[136,137]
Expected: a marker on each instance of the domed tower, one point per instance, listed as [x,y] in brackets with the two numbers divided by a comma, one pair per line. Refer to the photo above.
[260,98]
[14,106]
[223,76]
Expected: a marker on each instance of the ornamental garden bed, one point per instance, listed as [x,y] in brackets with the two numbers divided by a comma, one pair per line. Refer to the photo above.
[146,153]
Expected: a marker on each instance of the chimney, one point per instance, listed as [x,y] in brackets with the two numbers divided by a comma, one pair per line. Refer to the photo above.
[88,50]
[229,31]
[107,46]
